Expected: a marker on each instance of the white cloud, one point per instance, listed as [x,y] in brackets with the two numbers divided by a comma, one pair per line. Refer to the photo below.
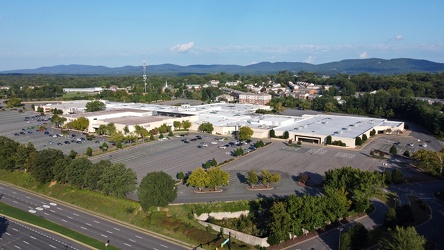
[182,47]
[398,38]
[363,55]
[310,59]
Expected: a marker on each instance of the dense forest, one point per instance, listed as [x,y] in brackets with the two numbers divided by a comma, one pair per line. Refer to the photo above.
[396,96]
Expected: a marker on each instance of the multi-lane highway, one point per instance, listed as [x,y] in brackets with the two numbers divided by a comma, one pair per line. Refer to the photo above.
[83,222]
[15,235]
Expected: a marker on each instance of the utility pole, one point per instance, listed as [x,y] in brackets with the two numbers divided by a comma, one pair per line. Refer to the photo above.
[144,75]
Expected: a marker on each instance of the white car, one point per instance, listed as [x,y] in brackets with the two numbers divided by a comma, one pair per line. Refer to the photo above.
[423,145]
[214,142]
[222,147]
[204,145]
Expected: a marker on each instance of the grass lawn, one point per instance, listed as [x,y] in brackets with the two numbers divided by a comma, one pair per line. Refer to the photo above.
[16,213]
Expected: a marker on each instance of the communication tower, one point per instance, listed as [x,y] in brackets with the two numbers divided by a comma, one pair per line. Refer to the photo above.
[144,74]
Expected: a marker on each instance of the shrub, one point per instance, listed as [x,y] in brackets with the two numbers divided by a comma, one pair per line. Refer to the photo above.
[397,176]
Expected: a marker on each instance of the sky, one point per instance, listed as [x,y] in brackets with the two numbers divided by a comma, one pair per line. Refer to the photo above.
[116,33]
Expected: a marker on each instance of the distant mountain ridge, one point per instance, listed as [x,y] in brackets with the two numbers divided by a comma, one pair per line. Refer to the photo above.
[349,66]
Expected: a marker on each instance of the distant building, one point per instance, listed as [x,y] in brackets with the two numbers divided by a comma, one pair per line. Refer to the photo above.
[83,90]
[214,83]
[258,99]
[193,86]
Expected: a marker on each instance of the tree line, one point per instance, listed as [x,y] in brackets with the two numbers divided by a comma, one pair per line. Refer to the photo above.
[114,179]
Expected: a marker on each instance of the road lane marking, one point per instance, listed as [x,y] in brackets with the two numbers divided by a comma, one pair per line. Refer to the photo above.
[88,224]
[27,197]
[27,243]
[32,237]
[15,229]
[15,202]
[132,240]
[163,246]
[117,229]
[75,214]
[45,213]
[69,217]
[17,246]
[53,204]
[126,244]
[96,222]
[52,246]
[64,220]
[137,236]
[109,232]
[52,211]
[84,228]
[59,208]
[104,235]
[8,234]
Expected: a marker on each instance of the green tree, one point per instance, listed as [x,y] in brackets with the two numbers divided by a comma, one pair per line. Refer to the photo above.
[267,177]
[118,180]
[117,137]
[72,154]
[186,124]
[406,153]
[393,150]
[252,178]
[206,127]
[397,176]
[89,151]
[76,172]
[239,151]
[40,164]
[364,138]
[104,147]
[390,218]
[218,177]
[180,175]
[272,133]
[156,189]
[14,102]
[177,124]
[198,178]
[402,238]
[58,120]
[119,145]
[245,133]
[95,106]
[279,223]
[59,169]
[93,175]
[329,140]
[126,129]
[358,141]
[285,135]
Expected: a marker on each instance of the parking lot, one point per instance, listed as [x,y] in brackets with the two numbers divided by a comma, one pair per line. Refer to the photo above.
[24,128]
[189,152]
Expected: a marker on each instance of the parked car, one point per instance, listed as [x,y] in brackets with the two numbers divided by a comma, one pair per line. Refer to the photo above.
[223,147]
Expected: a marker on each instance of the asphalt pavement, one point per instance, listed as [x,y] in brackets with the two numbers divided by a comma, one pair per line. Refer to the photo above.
[83,221]
[17,235]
